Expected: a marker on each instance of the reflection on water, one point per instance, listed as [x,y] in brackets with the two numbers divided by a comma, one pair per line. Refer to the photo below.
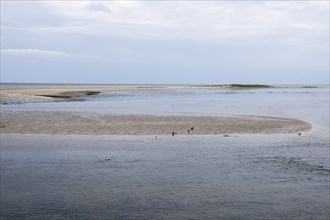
[182,177]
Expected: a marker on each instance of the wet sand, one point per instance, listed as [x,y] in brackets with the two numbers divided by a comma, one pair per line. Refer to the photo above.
[66,123]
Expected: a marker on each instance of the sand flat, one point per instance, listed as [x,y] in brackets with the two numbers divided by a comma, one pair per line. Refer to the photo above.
[57,122]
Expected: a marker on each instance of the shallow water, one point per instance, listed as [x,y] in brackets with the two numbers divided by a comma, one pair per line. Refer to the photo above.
[181,177]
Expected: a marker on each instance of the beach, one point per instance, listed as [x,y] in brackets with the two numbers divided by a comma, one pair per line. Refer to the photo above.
[165,110]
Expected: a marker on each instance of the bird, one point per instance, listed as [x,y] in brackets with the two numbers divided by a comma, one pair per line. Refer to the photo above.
[108,158]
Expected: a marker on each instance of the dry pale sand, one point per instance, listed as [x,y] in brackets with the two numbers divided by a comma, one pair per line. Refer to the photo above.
[55,122]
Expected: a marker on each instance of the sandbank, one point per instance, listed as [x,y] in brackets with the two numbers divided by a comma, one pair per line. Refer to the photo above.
[67,123]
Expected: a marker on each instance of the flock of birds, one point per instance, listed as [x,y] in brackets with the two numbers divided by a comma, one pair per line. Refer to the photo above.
[191,130]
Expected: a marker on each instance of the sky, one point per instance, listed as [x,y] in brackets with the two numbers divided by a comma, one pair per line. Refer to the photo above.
[165,42]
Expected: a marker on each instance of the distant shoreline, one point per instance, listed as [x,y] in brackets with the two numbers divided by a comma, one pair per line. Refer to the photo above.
[49,93]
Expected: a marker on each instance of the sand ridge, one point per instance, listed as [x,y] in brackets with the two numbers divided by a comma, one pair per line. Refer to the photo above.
[65,123]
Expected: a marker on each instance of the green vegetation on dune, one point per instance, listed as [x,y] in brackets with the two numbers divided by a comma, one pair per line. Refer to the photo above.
[252,86]
[248,86]
[309,87]
[239,86]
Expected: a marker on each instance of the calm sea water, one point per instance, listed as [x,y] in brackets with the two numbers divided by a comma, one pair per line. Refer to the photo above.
[181,177]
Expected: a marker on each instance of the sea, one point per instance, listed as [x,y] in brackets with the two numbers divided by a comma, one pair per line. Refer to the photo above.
[261,176]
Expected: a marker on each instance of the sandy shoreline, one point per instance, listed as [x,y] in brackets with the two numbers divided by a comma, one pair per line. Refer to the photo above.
[40,94]
[65,123]
[48,94]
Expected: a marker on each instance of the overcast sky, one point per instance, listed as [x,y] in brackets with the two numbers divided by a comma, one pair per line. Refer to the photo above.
[165,42]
